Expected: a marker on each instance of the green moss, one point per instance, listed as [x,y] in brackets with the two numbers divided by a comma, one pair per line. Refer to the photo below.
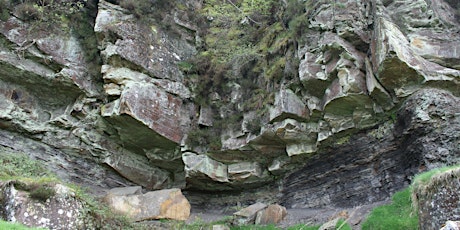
[397,215]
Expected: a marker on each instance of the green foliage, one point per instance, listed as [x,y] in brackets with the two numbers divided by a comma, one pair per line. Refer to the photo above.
[186,67]
[4,10]
[82,29]
[17,165]
[15,226]
[397,215]
[204,137]
[48,10]
[146,9]
[42,192]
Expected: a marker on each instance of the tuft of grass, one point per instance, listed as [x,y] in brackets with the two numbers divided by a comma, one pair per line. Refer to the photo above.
[425,177]
[15,165]
[397,215]
[15,226]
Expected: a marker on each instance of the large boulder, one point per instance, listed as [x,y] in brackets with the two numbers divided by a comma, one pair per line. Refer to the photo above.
[438,200]
[273,214]
[44,205]
[248,215]
[160,204]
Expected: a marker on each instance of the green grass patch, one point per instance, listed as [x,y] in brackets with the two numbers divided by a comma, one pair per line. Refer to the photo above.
[15,165]
[425,177]
[15,226]
[397,215]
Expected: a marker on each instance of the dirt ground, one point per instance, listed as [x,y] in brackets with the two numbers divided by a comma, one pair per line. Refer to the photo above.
[354,216]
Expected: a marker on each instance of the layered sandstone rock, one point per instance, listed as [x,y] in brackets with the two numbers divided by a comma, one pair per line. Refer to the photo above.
[369,104]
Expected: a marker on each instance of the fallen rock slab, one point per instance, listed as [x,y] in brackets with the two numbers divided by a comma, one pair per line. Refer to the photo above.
[248,215]
[273,214]
[161,204]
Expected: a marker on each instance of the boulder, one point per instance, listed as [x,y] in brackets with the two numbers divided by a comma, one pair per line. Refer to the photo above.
[438,199]
[161,204]
[55,207]
[273,214]
[248,215]
[288,105]
[451,225]
[330,225]
[220,227]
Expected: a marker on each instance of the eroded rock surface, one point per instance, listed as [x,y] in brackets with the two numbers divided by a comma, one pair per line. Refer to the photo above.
[61,210]
[341,110]
[437,199]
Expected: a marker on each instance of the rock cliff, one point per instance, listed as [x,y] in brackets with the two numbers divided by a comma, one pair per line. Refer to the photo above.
[318,102]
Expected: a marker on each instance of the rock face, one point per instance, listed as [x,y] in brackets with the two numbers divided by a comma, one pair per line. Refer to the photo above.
[161,204]
[438,200]
[403,148]
[60,211]
[327,103]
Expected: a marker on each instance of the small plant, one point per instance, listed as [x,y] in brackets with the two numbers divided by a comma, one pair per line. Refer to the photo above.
[42,192]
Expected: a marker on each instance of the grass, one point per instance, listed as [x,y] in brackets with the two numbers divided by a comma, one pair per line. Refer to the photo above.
[397,215]
[425,177]
[401,213]
[15,226]
[19,166]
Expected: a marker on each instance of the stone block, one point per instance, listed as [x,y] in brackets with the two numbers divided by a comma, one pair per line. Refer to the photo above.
[161,204]
[273,214]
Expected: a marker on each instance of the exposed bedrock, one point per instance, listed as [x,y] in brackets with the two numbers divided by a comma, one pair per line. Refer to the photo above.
[341,109]
[371,165]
